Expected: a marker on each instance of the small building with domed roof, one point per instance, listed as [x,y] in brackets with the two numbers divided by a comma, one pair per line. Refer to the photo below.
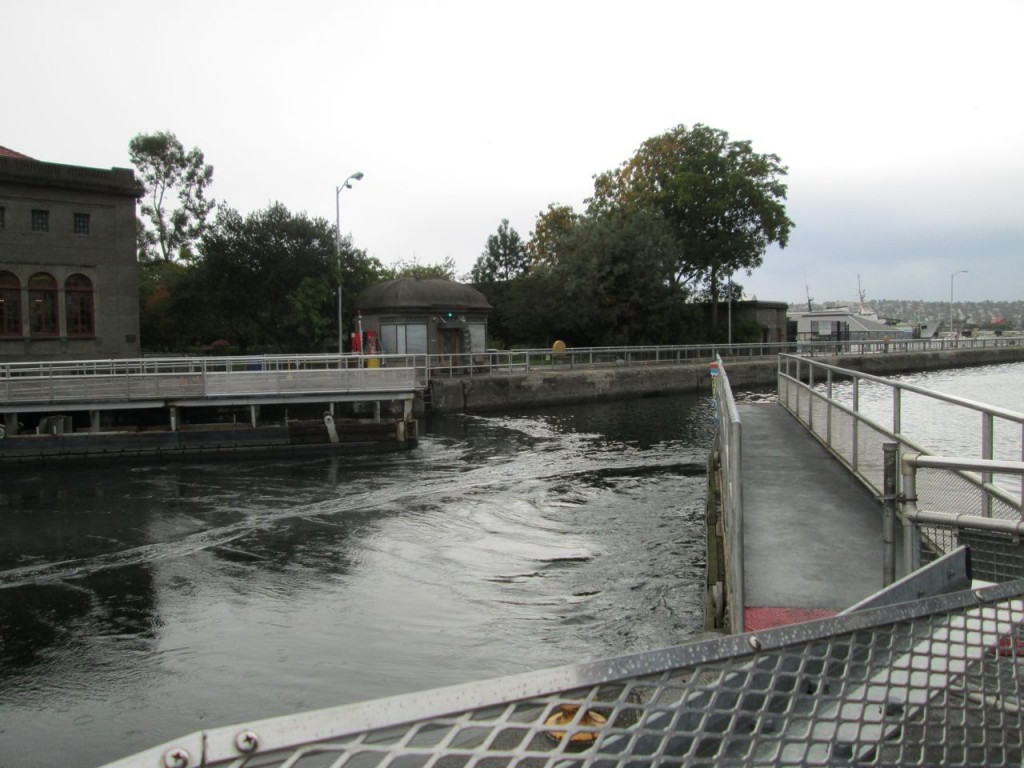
[410,316]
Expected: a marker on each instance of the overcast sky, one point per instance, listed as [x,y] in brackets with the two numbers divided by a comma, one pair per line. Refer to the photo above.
[901,123]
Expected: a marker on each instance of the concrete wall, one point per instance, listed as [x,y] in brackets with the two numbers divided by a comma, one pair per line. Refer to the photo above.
[106,255]
[553,386]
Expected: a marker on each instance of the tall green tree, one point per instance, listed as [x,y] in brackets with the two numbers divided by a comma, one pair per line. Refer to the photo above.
[504,257]
[552,225]
[164,325]
[175,203]
[609,277]
[724,203]
[270,279]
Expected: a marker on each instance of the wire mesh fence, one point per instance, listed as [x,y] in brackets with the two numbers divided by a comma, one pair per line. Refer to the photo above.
[931,682]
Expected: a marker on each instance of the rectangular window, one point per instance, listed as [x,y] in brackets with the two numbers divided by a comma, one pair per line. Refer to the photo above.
[3,217]
[81,223]
[477,337]
[40,220]
[404,339]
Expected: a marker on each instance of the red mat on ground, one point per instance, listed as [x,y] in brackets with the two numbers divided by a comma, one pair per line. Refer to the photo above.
[768,616]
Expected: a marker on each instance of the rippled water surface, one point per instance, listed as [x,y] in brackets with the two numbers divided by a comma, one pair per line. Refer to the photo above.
[139,603]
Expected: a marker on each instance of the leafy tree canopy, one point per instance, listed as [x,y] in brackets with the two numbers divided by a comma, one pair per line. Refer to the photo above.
[552,225]
[445,270]
[270,278]
[723,202]
[504,257]
[167,171]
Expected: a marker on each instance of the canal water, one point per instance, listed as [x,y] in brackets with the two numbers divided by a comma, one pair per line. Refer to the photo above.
[139,603]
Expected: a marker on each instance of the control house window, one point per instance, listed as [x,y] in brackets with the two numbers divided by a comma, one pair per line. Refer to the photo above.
[78,306]
[403,338]
[10,305]
[81,223]
[42,305]
[40,220]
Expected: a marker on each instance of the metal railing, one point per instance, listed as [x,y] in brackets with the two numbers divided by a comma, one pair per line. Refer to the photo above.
[930,529]
[930,682]
[854,414]
[944,501]
[491,362]
[193,378]
[728,448]
[525,360]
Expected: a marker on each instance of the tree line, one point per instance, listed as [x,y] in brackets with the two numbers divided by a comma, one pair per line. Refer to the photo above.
[658,242]
[261,282]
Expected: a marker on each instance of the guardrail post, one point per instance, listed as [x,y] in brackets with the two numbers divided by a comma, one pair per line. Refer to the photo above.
[911,533]
[828,410]
[856,423]
[987,439]
[890,472]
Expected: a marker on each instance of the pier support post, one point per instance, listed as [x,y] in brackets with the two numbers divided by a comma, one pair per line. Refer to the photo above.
[890,473]
[94,421]
[376,411]
[254,415]
[174,418]
[11,423]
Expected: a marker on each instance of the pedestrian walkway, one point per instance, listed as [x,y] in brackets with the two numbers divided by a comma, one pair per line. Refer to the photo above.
[812,532]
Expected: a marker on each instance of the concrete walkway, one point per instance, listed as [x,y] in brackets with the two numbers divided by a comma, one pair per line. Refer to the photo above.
[812,532]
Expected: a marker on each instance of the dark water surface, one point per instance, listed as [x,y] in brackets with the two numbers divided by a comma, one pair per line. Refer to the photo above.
[142,602]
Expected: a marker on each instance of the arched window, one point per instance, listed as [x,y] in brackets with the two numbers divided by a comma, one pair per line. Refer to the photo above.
[42,305]
[78,306]
[10,305]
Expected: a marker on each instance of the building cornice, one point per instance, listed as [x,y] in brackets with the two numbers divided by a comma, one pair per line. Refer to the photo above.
[35,173]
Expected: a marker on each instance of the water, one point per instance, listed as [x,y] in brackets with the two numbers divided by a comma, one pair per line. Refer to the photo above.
[143,602]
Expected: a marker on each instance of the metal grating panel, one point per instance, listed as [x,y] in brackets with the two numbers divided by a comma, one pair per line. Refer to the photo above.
[936,681]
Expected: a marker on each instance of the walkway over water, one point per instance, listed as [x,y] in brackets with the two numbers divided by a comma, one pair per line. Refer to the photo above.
[812,531]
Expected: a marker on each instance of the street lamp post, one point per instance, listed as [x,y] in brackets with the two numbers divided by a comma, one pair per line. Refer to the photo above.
[958,272]
[337,242]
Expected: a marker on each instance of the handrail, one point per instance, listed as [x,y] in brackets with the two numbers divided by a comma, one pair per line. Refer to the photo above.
[977,405]
[961,500]
[476,361]
[806,389]
[200,382]
[729,442]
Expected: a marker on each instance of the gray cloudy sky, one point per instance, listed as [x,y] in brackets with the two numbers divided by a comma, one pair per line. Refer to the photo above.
[902,123]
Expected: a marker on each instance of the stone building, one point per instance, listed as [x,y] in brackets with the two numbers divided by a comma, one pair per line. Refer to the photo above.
[69,284]
[415,317]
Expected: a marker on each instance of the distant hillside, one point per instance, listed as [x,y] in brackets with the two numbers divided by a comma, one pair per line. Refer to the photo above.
[977,314]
